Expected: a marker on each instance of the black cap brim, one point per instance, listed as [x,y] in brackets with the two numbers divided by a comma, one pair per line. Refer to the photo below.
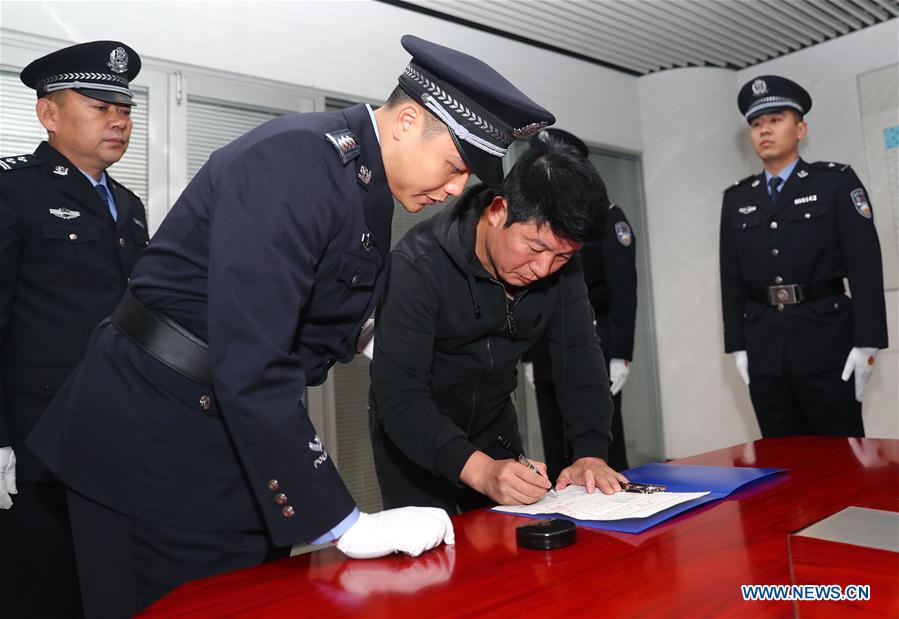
[108,96]
[487,167]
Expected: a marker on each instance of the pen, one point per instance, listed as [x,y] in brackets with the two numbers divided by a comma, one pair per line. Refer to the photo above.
[522,459]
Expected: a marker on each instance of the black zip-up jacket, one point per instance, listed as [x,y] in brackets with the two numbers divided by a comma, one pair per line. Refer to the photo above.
[448,340]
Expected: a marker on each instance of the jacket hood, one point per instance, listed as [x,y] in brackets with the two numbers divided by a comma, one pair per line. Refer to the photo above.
[455,228]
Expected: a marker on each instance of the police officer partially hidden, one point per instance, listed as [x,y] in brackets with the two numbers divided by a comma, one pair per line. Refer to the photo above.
[183,439]
[788,238]
[69,237]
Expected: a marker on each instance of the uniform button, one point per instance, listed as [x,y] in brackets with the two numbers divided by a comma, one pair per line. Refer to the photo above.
[836,306]
[205,402]
[808,215]
[73,237]
[744,226]
[288,512]
[355,279]
[122,242]
[775,251]
[778,280]
[273,485]
[774,225]
[780,307]
[281,499]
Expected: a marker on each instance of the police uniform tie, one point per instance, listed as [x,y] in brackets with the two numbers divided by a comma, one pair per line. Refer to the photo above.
[773,186]
[104,195]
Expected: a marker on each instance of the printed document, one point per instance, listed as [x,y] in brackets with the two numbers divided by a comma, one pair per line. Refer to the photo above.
[574,502]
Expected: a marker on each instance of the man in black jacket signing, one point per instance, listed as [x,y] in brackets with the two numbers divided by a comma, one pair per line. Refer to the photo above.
[468,292]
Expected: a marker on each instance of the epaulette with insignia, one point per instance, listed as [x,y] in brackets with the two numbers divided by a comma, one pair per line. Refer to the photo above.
[121,186]
[18,162]
[740,182]
[831,165]
[345,143]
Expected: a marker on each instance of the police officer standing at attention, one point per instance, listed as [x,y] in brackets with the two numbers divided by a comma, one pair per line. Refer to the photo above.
[69,237]
[788,238]
[610,270]
[183,439]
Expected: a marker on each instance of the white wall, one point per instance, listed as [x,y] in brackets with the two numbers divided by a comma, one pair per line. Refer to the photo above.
[695,144]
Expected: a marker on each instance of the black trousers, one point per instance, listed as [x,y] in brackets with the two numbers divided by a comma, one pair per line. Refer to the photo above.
[798,405]
[404,483]
[37,559]
[556,451]
[126,564]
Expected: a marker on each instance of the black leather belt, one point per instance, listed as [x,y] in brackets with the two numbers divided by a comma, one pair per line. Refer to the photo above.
[793,294]
[164,339]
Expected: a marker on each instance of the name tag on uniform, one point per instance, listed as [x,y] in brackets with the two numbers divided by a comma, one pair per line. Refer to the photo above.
[64,213]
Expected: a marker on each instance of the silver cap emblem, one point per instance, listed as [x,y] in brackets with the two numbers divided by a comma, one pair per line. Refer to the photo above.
[759,87]
[118,60]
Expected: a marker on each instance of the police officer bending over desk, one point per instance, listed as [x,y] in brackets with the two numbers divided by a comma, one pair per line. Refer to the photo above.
[468,292]
[182,438]
[788,238]
[69,237]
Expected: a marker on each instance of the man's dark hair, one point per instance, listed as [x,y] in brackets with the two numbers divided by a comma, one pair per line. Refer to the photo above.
[553,184]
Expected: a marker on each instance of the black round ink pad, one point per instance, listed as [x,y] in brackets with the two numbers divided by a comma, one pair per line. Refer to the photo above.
[546,534]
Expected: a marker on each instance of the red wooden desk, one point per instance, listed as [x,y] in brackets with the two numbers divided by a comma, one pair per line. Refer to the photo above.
[690,566]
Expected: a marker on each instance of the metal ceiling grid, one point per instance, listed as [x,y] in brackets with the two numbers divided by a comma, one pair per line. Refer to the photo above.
[644,36]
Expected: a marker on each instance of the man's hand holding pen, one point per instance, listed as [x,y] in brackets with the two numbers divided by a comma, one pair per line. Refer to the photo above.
[591,473]
[508,482]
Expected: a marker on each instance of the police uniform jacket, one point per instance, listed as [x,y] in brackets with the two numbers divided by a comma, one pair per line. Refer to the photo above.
[64,264]
[821,228]
[448,339]
[610,271]
[271,255]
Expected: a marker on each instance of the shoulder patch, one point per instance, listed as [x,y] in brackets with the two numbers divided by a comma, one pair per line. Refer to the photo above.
[624,234]
[121,186]
[345,143]
[740,182]
[18,162]
[831,165]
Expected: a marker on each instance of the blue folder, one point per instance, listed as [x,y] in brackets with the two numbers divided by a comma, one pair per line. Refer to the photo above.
[718,481]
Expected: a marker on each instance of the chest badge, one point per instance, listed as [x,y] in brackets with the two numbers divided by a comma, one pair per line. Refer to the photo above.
[64,213]
[367,243]
[806,199]
[61,170]
[364,174]
[745,210]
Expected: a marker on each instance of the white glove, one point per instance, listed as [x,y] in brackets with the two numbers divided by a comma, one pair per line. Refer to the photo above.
[860,362]
[529,372]
[7,476]
[742,361]
[618,371]
[411,530]
[365,344]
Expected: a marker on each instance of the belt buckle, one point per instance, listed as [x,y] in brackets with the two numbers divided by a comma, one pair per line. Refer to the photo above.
[783,295]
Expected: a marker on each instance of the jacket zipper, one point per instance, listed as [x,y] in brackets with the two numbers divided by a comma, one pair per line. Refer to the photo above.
[510,323]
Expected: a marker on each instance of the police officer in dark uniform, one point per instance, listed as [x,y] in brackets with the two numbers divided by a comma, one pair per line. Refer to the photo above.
[610,270]
[69,237]
[789,236]
[183,439]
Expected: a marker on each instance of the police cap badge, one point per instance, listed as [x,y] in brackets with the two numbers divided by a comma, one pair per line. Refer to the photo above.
[99,69]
